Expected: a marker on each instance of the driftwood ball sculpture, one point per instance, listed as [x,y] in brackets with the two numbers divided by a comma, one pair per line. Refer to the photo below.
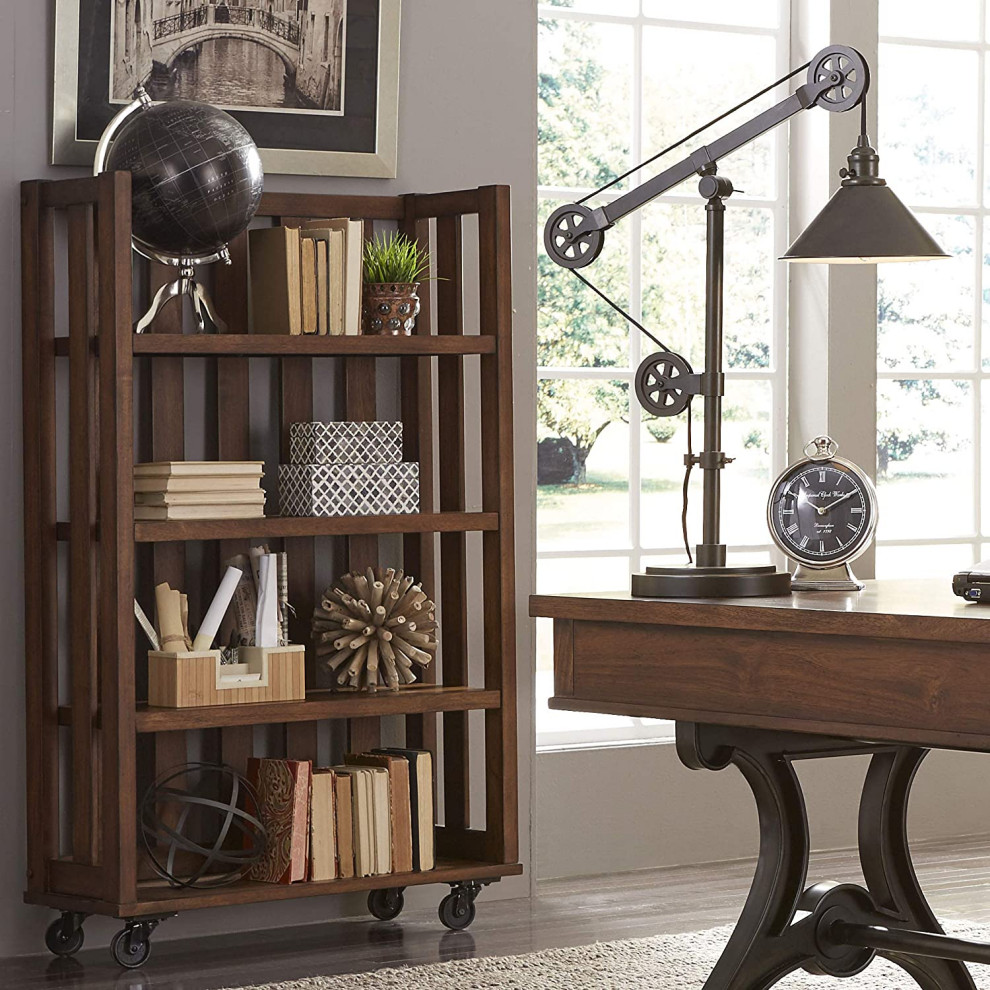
[375,628]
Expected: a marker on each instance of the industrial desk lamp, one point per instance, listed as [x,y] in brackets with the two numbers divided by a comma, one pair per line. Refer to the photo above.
[863,223]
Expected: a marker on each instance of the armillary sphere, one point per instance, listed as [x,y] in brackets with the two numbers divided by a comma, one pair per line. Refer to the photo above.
[848,72]
[661,385]
[569,238]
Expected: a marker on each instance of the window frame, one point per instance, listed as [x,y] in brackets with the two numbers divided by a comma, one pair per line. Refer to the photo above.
[978,374]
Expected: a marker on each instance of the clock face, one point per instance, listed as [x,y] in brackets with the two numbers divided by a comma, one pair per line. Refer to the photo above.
[822,513]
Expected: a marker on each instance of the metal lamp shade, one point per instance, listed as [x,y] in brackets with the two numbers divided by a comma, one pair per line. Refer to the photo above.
[864,225]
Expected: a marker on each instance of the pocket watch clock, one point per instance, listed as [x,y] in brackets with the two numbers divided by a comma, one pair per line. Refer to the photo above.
[822,513]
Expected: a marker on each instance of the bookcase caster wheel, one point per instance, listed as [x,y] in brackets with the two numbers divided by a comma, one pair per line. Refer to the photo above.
[64,936]
[386,904]
[457,910]
[131,946]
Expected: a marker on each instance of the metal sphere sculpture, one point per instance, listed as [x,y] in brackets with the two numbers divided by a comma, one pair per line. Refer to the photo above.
[196,826]
[375,628]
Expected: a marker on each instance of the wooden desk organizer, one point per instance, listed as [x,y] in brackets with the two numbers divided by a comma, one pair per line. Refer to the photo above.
[192,680]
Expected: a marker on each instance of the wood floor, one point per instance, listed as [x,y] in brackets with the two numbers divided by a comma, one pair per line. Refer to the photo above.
[955,875]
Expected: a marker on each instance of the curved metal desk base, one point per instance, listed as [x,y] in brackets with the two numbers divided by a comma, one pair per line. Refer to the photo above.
[783,926]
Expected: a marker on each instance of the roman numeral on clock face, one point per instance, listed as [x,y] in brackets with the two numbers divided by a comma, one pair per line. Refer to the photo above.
[851,526]
[804,541]
[821,477]
[793,528]
[857,508]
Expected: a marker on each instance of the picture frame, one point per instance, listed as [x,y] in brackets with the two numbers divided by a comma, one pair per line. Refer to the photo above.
[336,114]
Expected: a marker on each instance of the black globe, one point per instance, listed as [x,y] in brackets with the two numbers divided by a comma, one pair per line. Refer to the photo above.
[196,176]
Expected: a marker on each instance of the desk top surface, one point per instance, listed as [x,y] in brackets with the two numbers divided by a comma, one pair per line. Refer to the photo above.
[907,609]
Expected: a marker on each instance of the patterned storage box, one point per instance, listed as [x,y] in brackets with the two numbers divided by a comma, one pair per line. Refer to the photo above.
[348,489]
[345,443]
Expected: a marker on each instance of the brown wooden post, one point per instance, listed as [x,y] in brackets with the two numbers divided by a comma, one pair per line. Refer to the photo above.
[502,807]
[116,537]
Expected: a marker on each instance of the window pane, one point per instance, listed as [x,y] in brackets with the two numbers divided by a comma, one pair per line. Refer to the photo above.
[673,240]
[621,8]
[955,20]
[924,458]
[582,498]
[924,562]
[677,98]
[928,123]
[749,264]
[925,311]
[560,575]
[747,418]
[752,13]
[575,327]
[584,99]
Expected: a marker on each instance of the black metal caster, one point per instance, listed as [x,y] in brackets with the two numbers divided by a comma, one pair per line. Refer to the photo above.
[386,904]
[131,946]
[64,936]
[457,910]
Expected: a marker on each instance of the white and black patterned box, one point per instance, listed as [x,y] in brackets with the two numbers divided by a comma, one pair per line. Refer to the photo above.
[345,443]
[348,489]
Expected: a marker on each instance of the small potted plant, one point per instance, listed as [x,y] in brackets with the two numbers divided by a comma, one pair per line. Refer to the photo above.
[394,266]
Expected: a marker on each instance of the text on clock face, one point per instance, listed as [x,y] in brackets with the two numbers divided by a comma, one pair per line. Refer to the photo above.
[821,512]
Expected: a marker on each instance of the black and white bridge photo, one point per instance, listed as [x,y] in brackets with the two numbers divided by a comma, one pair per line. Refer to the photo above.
[255,54]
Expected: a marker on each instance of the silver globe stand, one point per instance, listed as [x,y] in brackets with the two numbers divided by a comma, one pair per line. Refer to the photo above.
[184,285]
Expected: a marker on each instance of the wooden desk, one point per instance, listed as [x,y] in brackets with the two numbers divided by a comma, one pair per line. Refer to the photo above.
[894,671]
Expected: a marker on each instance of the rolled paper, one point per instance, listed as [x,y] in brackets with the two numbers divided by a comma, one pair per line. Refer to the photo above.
[169,607]
[184,612]
[266,626]
[218,608]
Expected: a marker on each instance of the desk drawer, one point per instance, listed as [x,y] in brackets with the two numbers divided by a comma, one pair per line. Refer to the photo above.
[762,677]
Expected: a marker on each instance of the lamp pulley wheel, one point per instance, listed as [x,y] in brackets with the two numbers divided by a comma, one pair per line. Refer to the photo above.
[661,385]
[570,238]
[848,74]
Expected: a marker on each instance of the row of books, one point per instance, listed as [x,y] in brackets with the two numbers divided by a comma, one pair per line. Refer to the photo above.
[371,816]
[199,490]
[308,279]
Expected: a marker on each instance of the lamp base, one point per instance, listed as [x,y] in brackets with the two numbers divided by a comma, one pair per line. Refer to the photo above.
[711,582]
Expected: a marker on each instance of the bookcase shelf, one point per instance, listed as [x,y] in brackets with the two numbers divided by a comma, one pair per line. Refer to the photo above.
[128,397]
[155,898]
[417,699]
[278,346]
[273,527]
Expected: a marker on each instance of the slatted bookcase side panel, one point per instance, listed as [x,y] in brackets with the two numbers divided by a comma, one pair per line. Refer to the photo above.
[416,379]
[233,413]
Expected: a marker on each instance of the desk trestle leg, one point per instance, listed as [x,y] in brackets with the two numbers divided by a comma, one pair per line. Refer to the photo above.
[840,928]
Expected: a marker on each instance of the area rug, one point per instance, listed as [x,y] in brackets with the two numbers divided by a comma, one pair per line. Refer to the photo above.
[665,962]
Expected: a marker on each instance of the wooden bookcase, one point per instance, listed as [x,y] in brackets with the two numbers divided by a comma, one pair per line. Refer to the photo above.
[97,397]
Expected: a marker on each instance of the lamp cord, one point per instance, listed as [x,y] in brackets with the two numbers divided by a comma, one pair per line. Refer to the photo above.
[695,133]
[689,463]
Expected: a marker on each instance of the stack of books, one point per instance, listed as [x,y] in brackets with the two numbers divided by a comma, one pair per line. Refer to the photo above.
[371,816]
[308,279]
[198,490]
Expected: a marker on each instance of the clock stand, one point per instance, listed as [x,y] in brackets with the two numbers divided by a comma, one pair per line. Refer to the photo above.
[838,578]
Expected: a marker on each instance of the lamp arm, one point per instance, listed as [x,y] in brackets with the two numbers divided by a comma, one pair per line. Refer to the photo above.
[704,158]
[838,80]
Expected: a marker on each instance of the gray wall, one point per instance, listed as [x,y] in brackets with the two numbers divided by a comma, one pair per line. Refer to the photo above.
[640,808]
[467,118]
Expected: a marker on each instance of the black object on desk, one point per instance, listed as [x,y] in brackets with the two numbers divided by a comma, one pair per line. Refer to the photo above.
[973,585]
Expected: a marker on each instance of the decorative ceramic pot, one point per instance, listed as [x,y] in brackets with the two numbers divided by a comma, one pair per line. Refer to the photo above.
[390,308]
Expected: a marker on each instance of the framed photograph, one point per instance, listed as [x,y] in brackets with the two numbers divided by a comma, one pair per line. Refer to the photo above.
[315,82]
